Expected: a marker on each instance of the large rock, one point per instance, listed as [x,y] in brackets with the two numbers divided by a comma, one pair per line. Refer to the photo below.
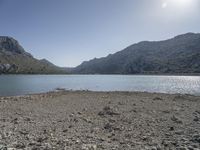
[7,68]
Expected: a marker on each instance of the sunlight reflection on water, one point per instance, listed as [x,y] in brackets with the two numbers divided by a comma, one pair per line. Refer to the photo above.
[26,84]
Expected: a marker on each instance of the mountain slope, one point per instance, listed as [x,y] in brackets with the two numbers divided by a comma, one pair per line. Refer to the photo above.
[14,59]
[180,54]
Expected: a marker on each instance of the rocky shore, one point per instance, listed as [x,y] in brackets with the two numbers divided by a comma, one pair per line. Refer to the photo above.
[73,120]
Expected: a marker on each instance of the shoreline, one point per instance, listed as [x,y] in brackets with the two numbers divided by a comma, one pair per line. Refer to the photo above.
[187,74]
[88,120]
[63,90]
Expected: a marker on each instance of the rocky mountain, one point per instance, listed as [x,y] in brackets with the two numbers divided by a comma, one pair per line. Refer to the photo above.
[178,55]
[14,59]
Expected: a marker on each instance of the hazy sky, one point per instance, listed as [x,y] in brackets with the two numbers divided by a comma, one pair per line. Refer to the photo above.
[68,32]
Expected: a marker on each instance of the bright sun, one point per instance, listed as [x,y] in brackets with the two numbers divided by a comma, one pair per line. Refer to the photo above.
[177,3]
[182,2]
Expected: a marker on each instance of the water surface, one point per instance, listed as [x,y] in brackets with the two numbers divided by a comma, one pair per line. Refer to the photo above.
[29,84]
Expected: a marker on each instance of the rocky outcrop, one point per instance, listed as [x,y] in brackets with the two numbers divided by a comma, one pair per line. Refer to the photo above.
[14,59]
[9,45]
[7,68]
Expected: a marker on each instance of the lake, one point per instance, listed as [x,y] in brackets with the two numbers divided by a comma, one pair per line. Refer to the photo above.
[11,85]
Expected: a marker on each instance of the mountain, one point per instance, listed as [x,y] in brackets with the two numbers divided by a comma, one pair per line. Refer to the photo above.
[15,60]
[178,55]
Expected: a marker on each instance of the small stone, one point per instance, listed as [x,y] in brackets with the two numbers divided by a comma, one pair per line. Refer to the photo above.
[165,143]
[79,113]
[15,121]
[190,148]
[1,137]
[171,129]
[153,148]
[167,134]
[157,99]
[32,143]
[27,119]
[182,148]
[23,132]
[196,119]
[65,130]
[198,112]
[196,138]
[11,148]
[107,111]
[35,148]
[18,145]
[41,139]
[166,111]
[195,145]
[78,141]
[179,132]
[144,138]
[176,119]
[120,103]
[108,126]
[3,147]
[89,147]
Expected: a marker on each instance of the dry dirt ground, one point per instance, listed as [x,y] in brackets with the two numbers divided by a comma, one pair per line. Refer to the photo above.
[73,120]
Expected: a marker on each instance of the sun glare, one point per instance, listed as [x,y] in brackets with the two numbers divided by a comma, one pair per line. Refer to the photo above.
[164,5]
[177,3]
[182,2]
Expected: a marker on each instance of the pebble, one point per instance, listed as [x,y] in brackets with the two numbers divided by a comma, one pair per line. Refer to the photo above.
[196,119]
[176,119]
[116,126]
[107,111]
[18,145]
[89,147]
[179,132]
[196,138]
[3,147]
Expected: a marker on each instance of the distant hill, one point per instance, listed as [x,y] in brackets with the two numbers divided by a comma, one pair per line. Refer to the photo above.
[14,59]
[178,55]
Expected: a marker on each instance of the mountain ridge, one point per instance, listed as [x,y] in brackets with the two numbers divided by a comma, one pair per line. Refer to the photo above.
[178,55]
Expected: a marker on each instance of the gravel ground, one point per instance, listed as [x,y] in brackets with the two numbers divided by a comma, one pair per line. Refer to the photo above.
[73,120]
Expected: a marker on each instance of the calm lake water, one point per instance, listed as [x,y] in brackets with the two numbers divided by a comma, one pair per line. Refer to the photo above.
[27,84]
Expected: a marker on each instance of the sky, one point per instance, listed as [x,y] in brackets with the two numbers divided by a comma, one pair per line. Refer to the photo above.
[68,32]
